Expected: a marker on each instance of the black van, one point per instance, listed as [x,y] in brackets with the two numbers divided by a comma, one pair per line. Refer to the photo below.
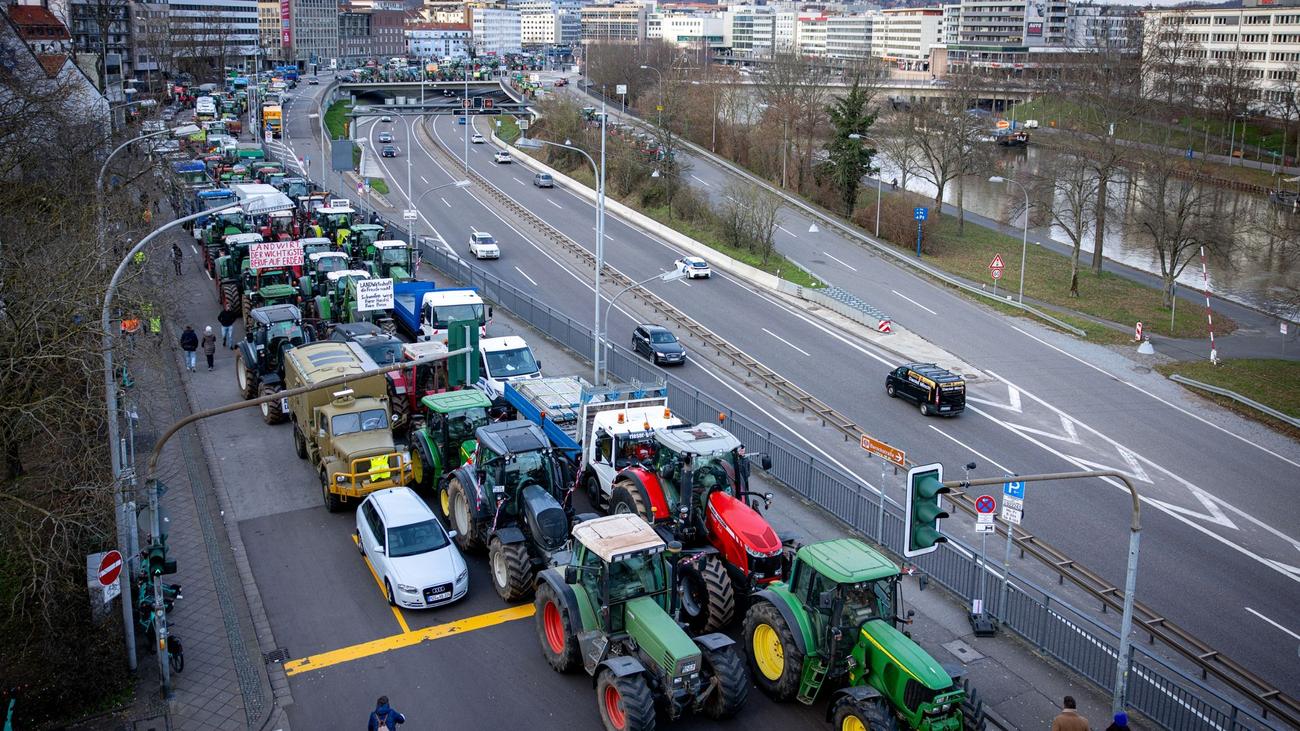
[936,390]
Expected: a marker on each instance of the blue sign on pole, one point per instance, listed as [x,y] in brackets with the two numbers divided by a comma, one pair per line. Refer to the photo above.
[1014,489]
[920,213]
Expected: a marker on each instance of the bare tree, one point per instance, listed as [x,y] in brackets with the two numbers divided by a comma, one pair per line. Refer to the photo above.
[795,95]
[897,143]
[1170,57]
[748,218]
[1069,183]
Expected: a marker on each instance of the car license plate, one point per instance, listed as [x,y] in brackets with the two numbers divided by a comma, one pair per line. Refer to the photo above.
[440,596]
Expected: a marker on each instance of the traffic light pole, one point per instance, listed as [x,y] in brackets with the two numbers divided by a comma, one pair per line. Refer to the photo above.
[1119,696]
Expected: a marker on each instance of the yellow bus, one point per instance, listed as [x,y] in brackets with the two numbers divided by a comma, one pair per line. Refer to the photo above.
[272,118]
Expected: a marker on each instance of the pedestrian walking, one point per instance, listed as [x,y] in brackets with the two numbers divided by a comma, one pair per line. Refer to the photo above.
[190,344]
[384,717]
[131,326]
[177,256]
[209,345]
[1120,724]
[1069,719]
[227,319]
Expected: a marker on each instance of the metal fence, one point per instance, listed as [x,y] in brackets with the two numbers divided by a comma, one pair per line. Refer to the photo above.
[1158,690]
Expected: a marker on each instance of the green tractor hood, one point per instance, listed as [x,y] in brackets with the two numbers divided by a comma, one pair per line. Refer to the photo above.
[660,636]
[277,292]
[880,646]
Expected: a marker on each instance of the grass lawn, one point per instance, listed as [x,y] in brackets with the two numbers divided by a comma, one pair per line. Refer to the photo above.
[509,129]
[1047,278]
[1274,383]
[776,263]
[379,186]
[335,117]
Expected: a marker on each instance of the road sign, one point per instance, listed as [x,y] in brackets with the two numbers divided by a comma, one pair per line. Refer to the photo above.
[881,449]
[987,527]
[997,262]
[1003,124]
[985,505]
[1013,502]
[920,213]
[620,88]
[1137,333]
[1013,489]
[110,567]
[997,273]
[410,214]
[1281,326]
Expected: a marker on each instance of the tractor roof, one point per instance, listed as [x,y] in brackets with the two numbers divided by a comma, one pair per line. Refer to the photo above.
[444,403]
[336,276]
[276,313]
[702,438]
[389,243]
[237,239]
[367,227]
[513,437]
[327,210]
[615,537]
[847,561]
[318,255]
[423,349]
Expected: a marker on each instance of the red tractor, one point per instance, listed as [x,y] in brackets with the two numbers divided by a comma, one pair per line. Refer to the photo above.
[692,484]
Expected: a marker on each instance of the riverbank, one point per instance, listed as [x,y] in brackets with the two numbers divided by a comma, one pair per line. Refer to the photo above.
[1274,383]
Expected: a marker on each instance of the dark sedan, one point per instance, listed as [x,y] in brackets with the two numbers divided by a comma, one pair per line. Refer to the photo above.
[657,343]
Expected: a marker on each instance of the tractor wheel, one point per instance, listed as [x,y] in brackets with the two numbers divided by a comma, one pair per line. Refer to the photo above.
[468,535]
[512,570]
[707,595]
[973,717]
[871,715]
[556,631]
[443,502]
[246,377]
[400,406]
[333,503]
[271,411]
[592,483]
[731,682]
[627,499]
[229,295]
[299,444]
[626,703]
[247,305]
[774,659]
[389,326]
[419,470]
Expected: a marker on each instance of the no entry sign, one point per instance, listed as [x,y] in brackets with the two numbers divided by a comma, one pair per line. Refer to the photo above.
[110,567]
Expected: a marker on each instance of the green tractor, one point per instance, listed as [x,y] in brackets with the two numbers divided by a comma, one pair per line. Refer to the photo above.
[268,286]
[315,266]
[392,259]
[837,619]
[339,302]
[361,240]
[229,270]
[446,440]
[335,224]
[611,611]
[219,227]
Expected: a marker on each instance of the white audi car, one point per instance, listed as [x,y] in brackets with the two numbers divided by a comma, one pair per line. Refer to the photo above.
[410,551]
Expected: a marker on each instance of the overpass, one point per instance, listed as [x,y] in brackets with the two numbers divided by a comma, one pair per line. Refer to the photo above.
[435,97]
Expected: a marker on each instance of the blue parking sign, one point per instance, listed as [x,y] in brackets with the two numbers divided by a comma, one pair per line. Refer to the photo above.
[1014,489]
[920,214]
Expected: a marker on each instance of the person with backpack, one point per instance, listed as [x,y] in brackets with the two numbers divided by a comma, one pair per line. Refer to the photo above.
[190,344]
[384,718]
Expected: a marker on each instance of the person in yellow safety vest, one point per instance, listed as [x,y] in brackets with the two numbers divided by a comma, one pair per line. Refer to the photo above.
[379,463]
[316,230]
[139,258]
[155,320]
[342,236]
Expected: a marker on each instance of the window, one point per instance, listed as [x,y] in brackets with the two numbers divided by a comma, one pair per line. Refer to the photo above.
[360,421]
[374,521]
[416,538]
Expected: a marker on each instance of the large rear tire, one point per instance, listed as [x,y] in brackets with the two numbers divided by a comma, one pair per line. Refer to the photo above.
[592,483]
[555,630]
[775,662]
[626,498]
[229,295]
[708,597]
[626,703]
[468,534]
[732,682]
[299,444]
[245,377]
[421,478]
[511,569]
[399,404]
[871,715]
[247,304]
[271,411]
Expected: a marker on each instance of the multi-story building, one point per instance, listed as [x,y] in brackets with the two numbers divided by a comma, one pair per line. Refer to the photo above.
[98,29]
[268,28]
[151,40]
[1256,48]
[496,31]
[904,36]
[1095,26]
[738,28]
[441,11]
[312,35]
[1009,34]
[354,36]
[620,22]
[810,35]
[686,30]
[951,23]
[850,36]
[438,40]
[207,37]
[548,23]
[388,29]
[36,47]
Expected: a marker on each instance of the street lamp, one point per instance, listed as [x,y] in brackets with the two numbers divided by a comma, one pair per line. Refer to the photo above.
[1024,240]
[669,276]
[453,184]
[599,172]
[879,182]
[661,91]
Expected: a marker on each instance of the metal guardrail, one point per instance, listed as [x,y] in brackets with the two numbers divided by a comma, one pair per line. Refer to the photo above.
[1236,397]
[1157,689]
[848,230]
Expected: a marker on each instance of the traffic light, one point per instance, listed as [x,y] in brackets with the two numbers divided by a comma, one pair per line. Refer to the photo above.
[921,531]
[158,562]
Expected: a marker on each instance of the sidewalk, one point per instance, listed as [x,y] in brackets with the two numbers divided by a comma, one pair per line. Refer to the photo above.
[225,684]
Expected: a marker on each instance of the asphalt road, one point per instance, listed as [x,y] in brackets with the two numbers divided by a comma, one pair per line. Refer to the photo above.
[1221,531]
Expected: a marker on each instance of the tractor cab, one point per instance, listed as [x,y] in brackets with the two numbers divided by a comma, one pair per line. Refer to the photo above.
[273,330]
[446,441]
[266,169]
[279,226]
[699,460]
[515,458]
[335,224]
[314,245]
[317,265]
[334,305]
[295,188]
[269,286]
[391,258]
[360,243]
[229,264]
[618,559]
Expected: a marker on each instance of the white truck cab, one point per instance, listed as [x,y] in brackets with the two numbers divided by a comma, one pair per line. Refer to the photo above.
[443,306]
[505,360]
[620,436]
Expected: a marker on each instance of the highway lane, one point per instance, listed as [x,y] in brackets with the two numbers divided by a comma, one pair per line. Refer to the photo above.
[1075,522]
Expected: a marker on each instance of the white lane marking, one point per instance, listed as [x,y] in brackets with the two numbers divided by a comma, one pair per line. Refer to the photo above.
[909,299]
[1275,624]
[194,248]
[426,180]
[557,205]
[611,238]
[444,201]
[787,342]
[850,267]
[1143,391]
[701,182]
[973,450]
[205,271]
[525,275]
[517,180]
[783,228]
